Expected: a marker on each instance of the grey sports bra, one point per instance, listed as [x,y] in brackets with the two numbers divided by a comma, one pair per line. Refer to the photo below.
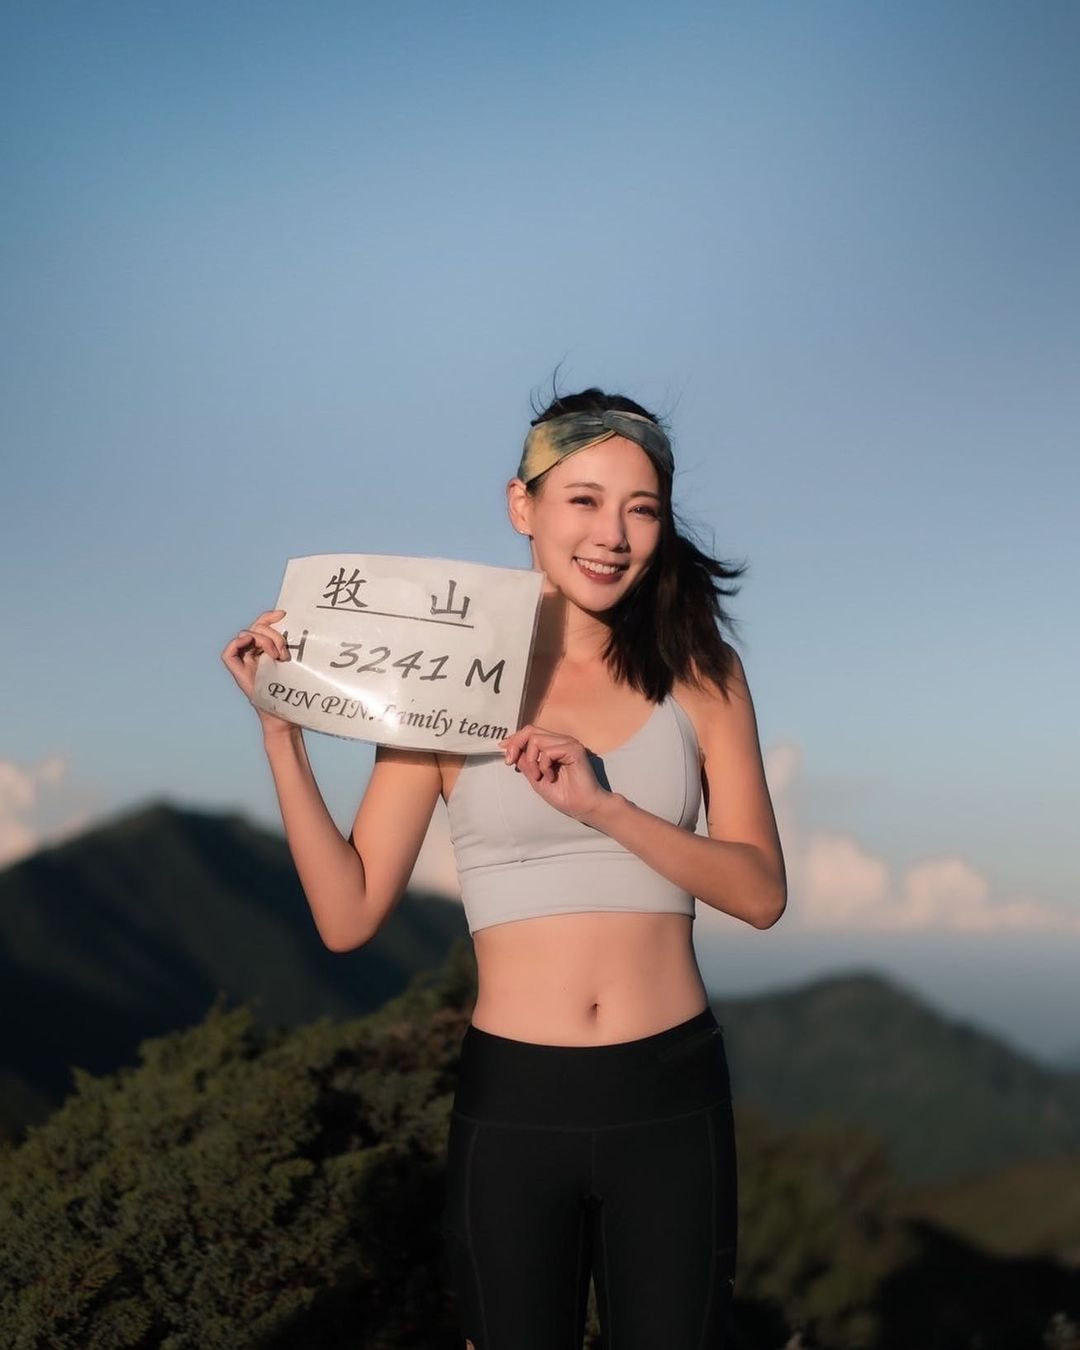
[518,857]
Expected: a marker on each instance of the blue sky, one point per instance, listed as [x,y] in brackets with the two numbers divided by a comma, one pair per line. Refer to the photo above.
[282,279]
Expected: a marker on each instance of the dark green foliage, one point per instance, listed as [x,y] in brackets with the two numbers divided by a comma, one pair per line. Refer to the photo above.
[1061,1334]
[252,1187]
[816,1235]
[1028,1209]
[239,1185]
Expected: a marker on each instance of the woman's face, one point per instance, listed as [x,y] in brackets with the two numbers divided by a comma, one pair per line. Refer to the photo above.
[601,505]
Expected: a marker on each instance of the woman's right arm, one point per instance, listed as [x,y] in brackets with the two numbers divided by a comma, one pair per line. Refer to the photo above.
[352,885]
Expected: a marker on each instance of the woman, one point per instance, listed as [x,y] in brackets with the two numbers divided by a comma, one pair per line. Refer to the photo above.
[592,1129]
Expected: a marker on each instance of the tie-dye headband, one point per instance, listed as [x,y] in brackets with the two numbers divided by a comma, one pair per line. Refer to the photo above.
[554,439]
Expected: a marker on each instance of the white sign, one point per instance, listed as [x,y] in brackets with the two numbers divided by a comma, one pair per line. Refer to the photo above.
[424,653]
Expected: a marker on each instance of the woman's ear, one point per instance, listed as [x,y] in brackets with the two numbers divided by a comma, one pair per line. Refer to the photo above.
[515,505]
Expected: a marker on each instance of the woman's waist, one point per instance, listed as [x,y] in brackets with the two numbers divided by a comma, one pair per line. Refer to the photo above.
[587,979]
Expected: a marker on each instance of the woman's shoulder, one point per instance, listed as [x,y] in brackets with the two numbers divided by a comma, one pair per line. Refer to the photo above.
[706,688]
[707,700]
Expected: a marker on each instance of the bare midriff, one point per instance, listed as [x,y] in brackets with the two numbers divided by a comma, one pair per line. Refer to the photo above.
[586,979]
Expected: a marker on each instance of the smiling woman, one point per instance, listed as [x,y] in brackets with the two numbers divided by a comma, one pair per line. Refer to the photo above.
[593,1106]
[592,1131]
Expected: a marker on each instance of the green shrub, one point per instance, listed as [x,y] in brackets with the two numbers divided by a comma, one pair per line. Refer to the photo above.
[817,1235]
[241,1188]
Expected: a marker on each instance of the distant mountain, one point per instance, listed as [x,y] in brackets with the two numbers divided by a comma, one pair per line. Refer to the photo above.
[951,1099]
[1030,1209]
[130,930]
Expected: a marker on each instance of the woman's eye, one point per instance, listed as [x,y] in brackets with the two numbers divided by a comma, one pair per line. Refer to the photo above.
[649,511]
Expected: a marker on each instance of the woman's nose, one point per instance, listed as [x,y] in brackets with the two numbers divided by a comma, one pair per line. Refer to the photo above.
[612,542]
[611,533]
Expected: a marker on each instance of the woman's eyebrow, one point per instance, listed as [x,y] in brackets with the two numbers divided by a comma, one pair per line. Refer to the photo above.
[641,492]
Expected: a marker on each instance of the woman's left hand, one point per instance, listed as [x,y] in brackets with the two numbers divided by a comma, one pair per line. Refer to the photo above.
[558,768]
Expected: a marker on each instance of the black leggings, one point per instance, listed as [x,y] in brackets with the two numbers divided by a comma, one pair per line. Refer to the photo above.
[616,1160]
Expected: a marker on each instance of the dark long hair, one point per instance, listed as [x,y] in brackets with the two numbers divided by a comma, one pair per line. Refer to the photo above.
[667,626]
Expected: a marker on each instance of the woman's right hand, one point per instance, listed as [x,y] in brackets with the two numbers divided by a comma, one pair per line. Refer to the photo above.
[241,657]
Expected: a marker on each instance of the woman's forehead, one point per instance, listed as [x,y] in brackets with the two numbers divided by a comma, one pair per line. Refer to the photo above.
[615,464]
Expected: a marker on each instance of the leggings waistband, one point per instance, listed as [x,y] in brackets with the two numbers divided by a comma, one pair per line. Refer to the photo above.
[672,1072]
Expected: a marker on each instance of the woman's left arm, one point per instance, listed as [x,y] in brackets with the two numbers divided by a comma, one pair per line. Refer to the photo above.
[739,867]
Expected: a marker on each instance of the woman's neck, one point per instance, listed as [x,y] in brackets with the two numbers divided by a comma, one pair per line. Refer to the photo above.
[568,636]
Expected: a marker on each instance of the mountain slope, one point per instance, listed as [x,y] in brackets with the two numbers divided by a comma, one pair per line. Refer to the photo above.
[131,929]
[951,1098]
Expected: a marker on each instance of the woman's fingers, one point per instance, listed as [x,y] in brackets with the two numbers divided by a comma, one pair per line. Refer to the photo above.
[264,621]
[251,642]
[262,629]
[513,744]
[261,626]
[537,750]
[241,657]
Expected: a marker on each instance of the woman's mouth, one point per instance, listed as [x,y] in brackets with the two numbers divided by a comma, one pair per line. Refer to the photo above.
[605,573]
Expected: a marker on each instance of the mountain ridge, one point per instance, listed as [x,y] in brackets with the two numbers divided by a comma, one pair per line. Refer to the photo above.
[132,928]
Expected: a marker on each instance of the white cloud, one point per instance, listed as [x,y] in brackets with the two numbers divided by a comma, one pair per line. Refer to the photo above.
[834,882]
[17,790]
[842,878]
[25,793]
